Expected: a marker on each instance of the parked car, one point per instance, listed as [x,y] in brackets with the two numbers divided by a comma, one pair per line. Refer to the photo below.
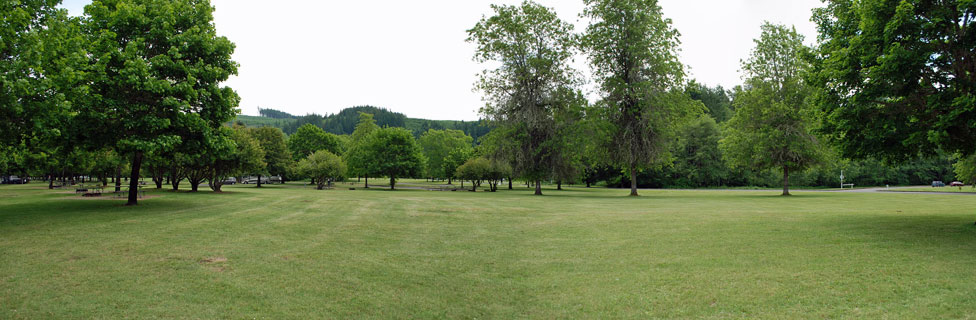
[275,179]
[938,184]
[230,180]
[254,180]
[956,184]
[13,180]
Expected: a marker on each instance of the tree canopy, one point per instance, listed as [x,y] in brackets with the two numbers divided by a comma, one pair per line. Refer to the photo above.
[437,145]
[772,123]
[394,153]
[158,65]
[897,78]
[633,50]
[309,139]
[534,86]
[322,166]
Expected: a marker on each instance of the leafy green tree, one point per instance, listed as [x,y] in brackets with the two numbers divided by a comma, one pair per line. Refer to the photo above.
[357,155]
[42,67]
[475,170]
[716,100]
[276,153]
[455,159]
[965,169]
[322,166]
[235,151]
[698,159]
[498,169]
[895,78]
[633,51]
[437,144]
[393,152]
[155,61]
[771,126]
[309,139]
[533,83]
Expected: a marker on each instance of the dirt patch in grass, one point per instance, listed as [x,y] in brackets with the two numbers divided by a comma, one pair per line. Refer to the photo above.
[215,264]
[213,260]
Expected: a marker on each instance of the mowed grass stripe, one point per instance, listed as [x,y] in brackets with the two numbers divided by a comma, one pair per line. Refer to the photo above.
[291,252]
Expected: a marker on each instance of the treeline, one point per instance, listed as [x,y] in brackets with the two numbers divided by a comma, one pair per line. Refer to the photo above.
[117,91]
[345,121]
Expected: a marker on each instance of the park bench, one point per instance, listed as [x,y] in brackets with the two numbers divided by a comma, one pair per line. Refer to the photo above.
[845,185]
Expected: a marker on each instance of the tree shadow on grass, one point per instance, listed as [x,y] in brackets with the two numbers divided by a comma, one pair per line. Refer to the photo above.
[54,208]
[938,232]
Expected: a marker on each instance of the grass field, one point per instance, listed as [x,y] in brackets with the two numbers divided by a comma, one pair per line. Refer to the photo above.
[294,252]
[965,189]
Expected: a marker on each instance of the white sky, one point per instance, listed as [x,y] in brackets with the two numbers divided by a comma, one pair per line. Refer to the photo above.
[306,56]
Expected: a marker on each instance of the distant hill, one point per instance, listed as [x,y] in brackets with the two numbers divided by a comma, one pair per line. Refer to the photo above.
[345,121]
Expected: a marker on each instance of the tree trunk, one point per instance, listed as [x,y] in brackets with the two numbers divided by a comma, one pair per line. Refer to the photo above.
[474,186]
[195,185]
[786,181]
[633,180]
[134,180]
[50,183]
[392,182]
[259,181]
[367,181]
[559,184]
[448,180]
[587,183]
[509,183]
[174,181]
[118,179]
[538,188]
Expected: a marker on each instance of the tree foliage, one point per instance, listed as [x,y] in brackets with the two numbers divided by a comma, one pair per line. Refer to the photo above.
[633,51]
[772,123]
[357,156]
[897,78]
[533,85]
[157,64]
[276,153]
[236,151]
[437,144]
[394,153]
[322,166]
[309,139]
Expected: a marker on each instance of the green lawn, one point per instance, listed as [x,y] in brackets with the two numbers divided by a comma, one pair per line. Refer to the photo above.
[294,252]
[965,189]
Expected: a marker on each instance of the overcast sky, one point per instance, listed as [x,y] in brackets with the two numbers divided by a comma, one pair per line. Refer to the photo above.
[305,56]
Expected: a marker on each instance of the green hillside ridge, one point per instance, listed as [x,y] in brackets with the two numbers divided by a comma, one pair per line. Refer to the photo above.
[344,121]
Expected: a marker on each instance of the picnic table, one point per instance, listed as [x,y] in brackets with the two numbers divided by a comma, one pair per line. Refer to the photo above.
[125,193]
[90,190]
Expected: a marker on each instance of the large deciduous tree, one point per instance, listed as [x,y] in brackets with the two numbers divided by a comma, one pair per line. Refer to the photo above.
[437,144]
[394,152]
[771,127]
[322,166]
[234,151]
[897,78]
[42,76]
[156,61]
[309,139]
[276,153]
[633,51]
[357,155]
[532,85]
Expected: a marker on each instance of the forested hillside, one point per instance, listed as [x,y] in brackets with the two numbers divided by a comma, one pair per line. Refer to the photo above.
[345,121]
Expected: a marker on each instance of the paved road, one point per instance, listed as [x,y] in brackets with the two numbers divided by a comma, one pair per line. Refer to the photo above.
[896,190]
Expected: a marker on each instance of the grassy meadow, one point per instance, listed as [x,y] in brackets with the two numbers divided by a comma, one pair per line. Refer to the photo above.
[288,251]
